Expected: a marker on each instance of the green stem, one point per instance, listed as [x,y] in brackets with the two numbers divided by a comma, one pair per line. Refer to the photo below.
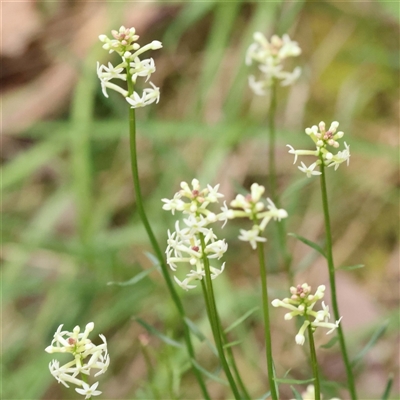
[271,149]
[332,282]
[267,327]
[215,321]
[159,254]
[231,358]
[314,363]
[273,189]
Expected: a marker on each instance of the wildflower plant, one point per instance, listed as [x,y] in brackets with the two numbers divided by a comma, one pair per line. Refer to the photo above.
[270,56]
[325,141]
[197,245]
[86,357]
[260,213]
[132,66]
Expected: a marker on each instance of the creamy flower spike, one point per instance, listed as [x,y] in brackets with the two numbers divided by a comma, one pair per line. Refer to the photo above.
[131,66]
[301,303]
[252,207]
[86,357]
[324,141]
[309,394]
[269,56]
[184,244]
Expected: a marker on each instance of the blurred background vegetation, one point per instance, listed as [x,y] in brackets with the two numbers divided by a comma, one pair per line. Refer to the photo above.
[69,225]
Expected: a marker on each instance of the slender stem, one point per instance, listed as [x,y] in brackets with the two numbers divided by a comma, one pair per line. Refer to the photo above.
[228,350]
[215,321]
[232,361]
[314,363]
[271,149]
[160,256]
[267,327]
[287,258]
[332,281]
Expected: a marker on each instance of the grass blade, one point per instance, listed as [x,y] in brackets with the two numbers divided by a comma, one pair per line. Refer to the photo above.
[388,388]
[209,374]
[157,333]
[297,395]
[240,320]
[137,278]
[375,337]
[310,243]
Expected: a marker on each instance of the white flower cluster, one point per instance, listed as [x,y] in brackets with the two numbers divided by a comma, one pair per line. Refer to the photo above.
[301,303]
[270,56]
[81,348]
[131,65]
[322,139]
[253,208]
[309,394]
[185,245]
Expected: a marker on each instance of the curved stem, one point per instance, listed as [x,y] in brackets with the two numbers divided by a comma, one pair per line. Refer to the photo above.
[267,327]
[159,254]
[314,363]
[215,321]
[332,282]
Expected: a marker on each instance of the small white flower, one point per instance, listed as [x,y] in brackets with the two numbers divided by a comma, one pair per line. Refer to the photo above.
[276,213]
[89,391]
[184,284]
[270,56]
[258,87]
[131,66]
[309,171]
[252,236]
[81,348]
[301,303]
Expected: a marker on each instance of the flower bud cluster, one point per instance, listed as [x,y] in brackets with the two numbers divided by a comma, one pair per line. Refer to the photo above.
[322,139]
[131,67]
[301,303]
[86,357]
[185,244]
[309,394]
[270,56]
[253,207]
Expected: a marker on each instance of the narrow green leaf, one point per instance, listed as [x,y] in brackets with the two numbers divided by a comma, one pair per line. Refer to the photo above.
[157,333]
[388,388]
[265,396]
[330,344]
[297,395]
[310,243]
[374,338]
[231,344]
[276,383]
[241,319]
[137,278]
[351,267]
[195,330]
[154,260]
[294,381]
[209,374]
